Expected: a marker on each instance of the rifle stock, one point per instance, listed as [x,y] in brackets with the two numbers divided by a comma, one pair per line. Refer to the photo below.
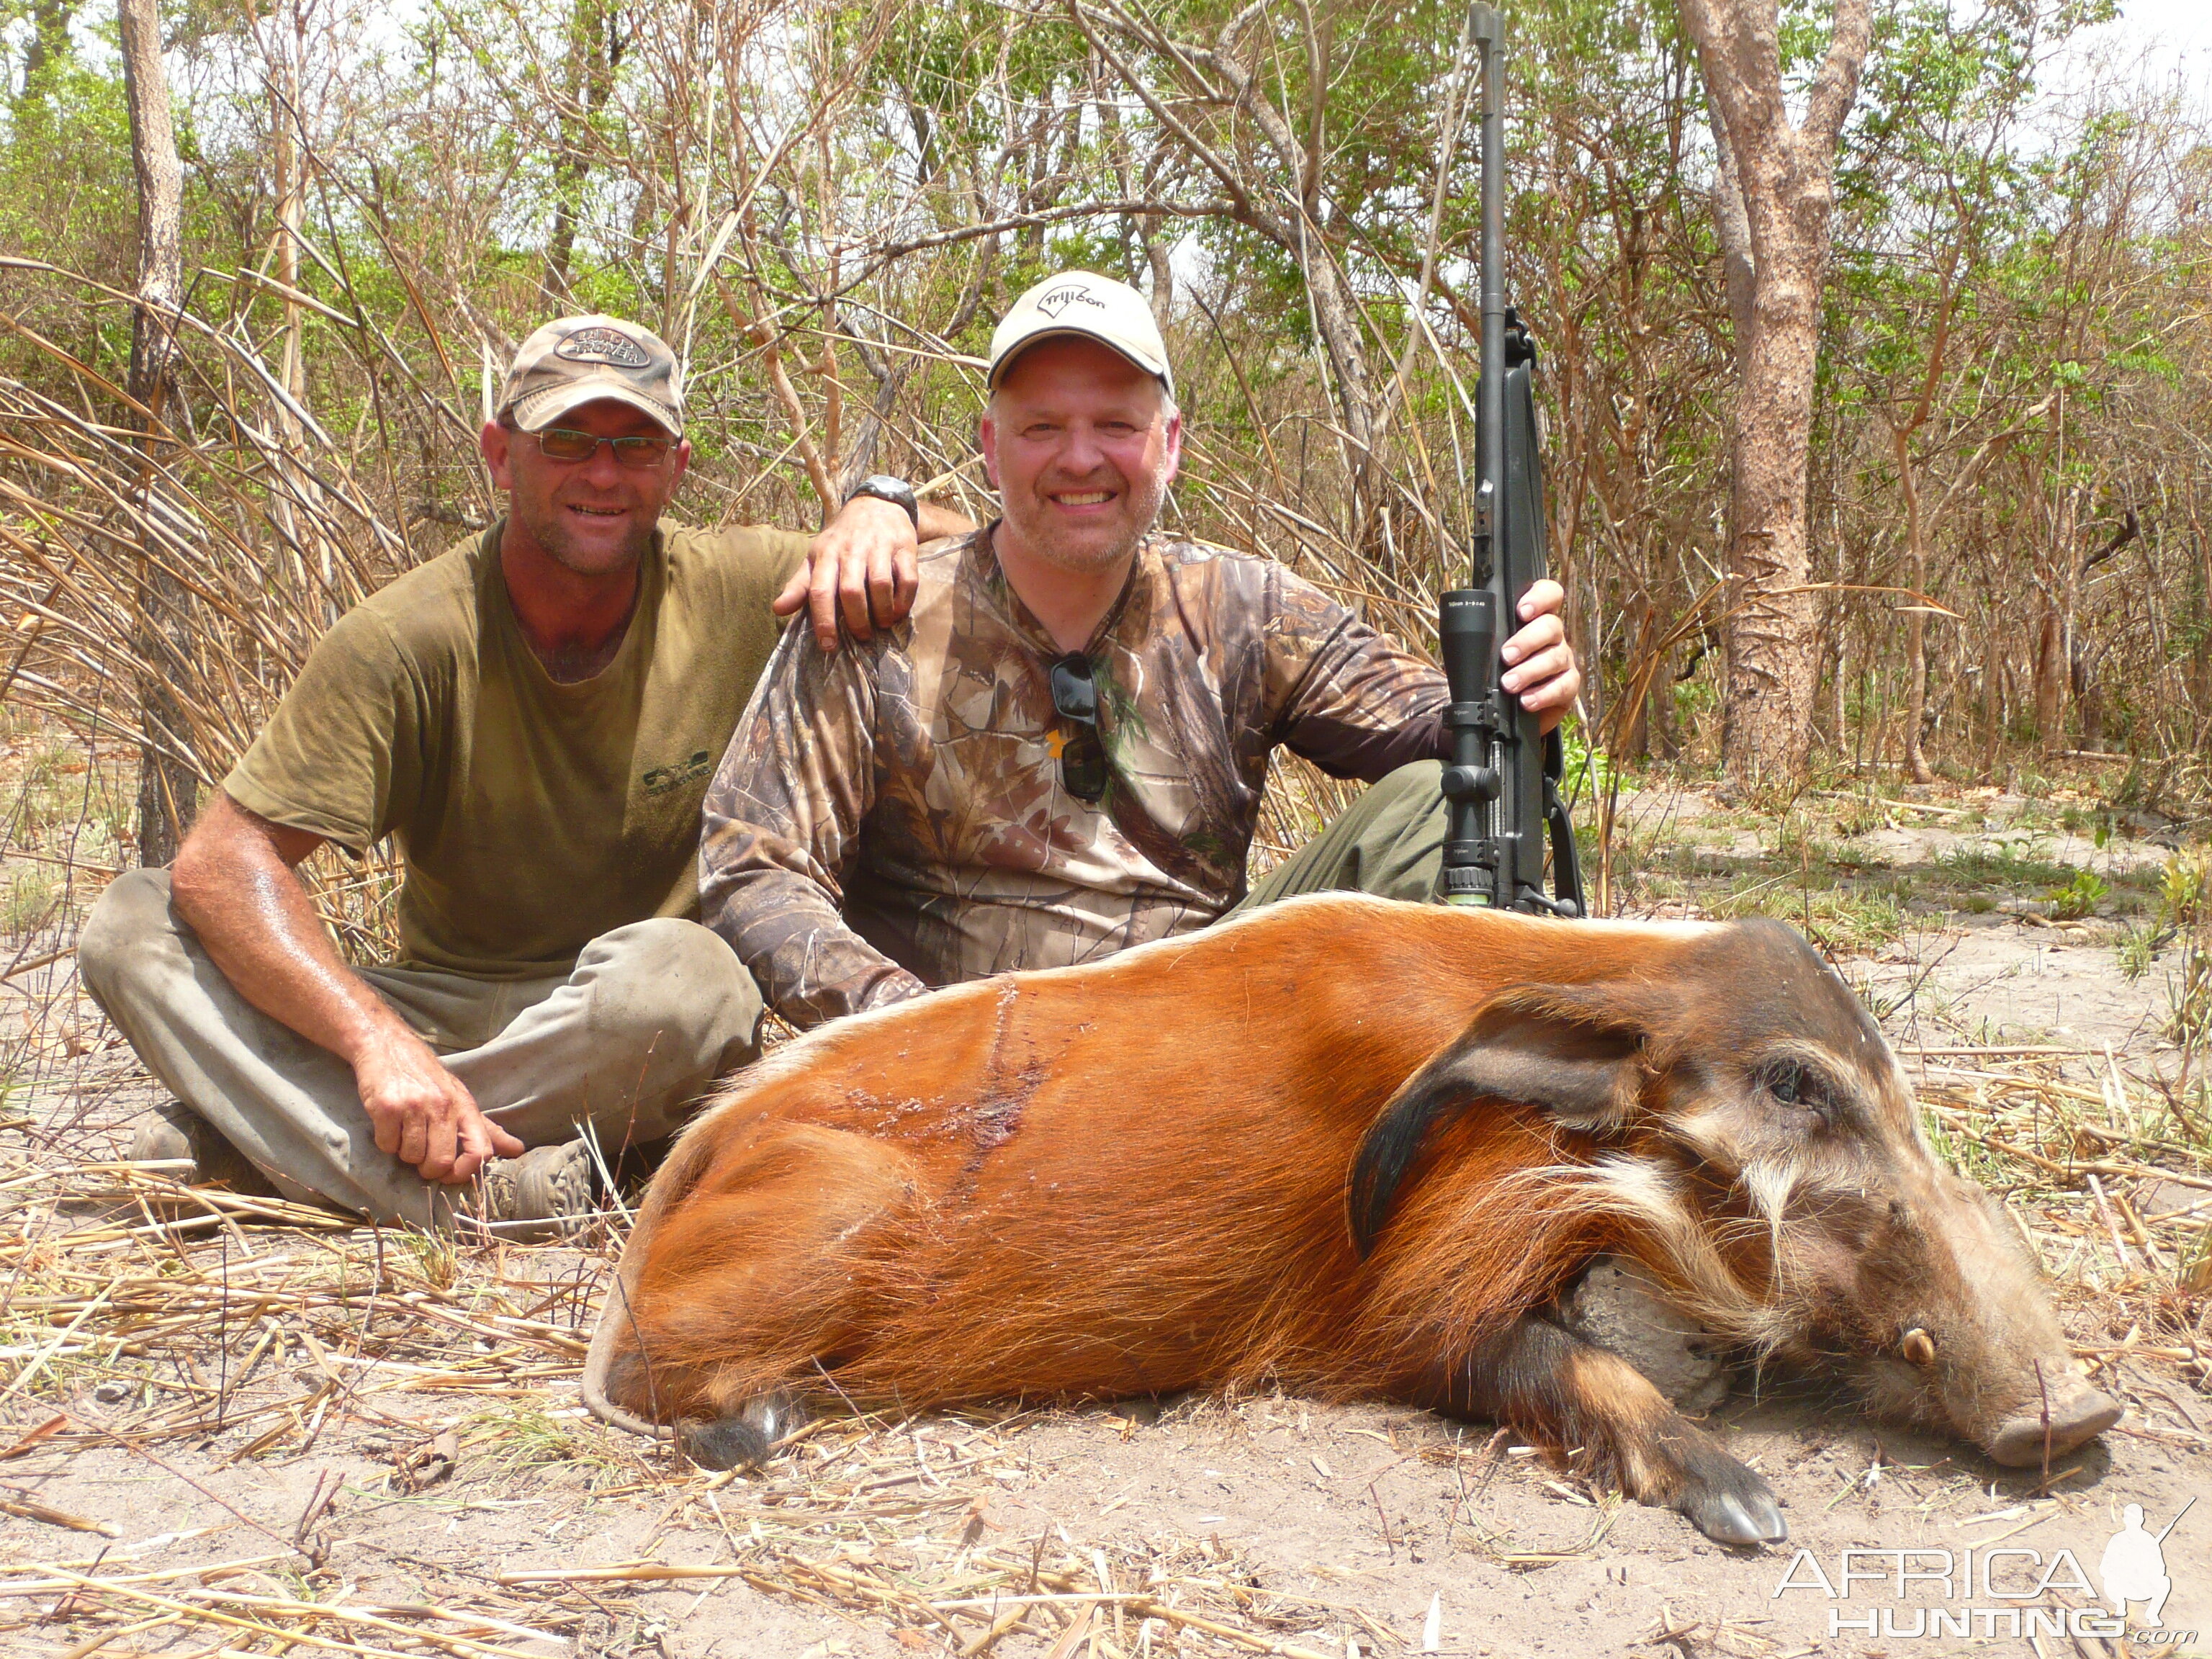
[1502,783]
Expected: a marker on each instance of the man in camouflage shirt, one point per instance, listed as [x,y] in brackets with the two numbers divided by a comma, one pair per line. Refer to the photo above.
[1061,752]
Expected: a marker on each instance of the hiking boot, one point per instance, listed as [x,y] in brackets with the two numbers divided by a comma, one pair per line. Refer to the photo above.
[194,1152]
[544,1194]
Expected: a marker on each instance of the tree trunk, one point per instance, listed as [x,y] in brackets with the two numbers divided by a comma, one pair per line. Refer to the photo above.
[49,45]
[1993,695]
[594,52]
[1916,618]
[2054,644]
[168,786]
[1780,175]
[2050,674]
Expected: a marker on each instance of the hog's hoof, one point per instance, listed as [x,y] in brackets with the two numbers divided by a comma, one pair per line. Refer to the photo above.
[1741,1520]
[1727,1502]
[745,1440]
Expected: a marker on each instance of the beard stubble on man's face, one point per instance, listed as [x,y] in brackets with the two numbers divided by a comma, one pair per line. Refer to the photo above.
[552,526]
[1044,536]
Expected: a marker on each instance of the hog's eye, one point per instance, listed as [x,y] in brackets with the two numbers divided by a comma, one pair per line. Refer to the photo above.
[1795,1085]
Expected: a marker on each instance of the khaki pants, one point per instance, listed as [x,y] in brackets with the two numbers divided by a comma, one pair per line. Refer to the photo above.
[1389,842]
[625,1041]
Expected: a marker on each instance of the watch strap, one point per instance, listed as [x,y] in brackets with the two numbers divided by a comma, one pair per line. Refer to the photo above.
[884,487]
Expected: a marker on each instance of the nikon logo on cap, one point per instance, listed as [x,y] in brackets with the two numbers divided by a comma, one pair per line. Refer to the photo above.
[1082,303]
[580,360]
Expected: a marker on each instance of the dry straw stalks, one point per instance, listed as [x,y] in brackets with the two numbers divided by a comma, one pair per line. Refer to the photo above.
[197,1329]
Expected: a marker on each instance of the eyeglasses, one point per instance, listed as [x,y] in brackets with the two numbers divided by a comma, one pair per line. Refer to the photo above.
[567,445]
[1083,771]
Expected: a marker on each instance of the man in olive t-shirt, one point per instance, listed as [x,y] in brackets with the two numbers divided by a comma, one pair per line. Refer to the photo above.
[534,716]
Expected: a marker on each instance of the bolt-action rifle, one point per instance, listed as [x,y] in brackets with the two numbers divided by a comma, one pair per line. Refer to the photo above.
[1502,784]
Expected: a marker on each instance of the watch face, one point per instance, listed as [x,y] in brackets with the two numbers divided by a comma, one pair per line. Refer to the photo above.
[884,487]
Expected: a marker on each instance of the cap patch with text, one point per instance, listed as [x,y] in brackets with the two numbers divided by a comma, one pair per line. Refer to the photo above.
[1085,304]
[580,360]
[603,345]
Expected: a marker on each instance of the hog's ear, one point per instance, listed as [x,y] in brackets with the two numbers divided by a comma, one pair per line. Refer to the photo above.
[1556,1048]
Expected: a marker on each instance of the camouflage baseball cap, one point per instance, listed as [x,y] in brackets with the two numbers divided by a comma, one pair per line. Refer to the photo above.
[579,360]
[1082,303]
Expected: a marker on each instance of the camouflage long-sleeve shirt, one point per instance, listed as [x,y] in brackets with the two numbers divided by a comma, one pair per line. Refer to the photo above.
[890,817]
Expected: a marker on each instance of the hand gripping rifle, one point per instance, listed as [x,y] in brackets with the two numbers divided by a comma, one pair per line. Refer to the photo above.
[1502,785]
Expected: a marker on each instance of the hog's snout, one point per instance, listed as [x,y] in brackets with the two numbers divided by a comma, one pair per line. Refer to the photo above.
[2078,1413]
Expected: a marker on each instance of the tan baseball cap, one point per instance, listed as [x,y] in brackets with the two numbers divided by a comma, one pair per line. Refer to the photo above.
[1082,303]
[577,360]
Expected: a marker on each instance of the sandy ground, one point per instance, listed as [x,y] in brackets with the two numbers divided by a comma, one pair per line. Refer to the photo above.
[1338,1528]
[1373,1509]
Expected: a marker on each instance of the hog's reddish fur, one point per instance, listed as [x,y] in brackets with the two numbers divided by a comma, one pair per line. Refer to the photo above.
[1116,1179]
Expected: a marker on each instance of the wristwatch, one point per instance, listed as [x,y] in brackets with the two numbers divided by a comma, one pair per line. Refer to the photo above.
[884,487]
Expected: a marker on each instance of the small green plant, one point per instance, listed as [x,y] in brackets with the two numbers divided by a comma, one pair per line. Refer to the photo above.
[1840,919]
[2184,890]
[1589,774]
[2190,995]
[526,1437]
[2079,898]
[1997,862]
[1859,815]
[434,1260]
[1796,844]
[2135,950]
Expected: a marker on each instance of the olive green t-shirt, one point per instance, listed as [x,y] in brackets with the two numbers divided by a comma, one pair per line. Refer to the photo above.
[533,816]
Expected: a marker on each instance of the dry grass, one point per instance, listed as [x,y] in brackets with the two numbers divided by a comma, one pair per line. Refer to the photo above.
[138,1315]
[162,1320]
[192,1331]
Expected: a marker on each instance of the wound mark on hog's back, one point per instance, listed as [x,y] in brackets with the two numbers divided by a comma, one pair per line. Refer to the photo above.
[995,1116]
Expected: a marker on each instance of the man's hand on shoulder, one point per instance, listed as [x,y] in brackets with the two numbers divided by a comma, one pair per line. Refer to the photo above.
[424,1116]
[861,567]
[1541,667]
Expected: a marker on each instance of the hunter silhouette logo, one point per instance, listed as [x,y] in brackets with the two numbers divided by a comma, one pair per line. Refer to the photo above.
[602,345]
[2133,1565]
[1059,299]
[1997,1589]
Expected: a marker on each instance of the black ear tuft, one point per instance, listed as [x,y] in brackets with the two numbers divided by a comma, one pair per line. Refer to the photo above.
[1547,1047]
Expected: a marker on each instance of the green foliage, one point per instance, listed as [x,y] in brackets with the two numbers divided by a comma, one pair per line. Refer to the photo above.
[1588,776]
[2184,890]
[66,186]
[2188,1018]
[2079,897]
[2135,950]
[1842,920]
[2059,255]
[29,899]
[2015,863]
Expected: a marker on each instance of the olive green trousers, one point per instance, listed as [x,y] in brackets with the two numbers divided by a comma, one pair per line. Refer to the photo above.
[625,1041]
[1389,842]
